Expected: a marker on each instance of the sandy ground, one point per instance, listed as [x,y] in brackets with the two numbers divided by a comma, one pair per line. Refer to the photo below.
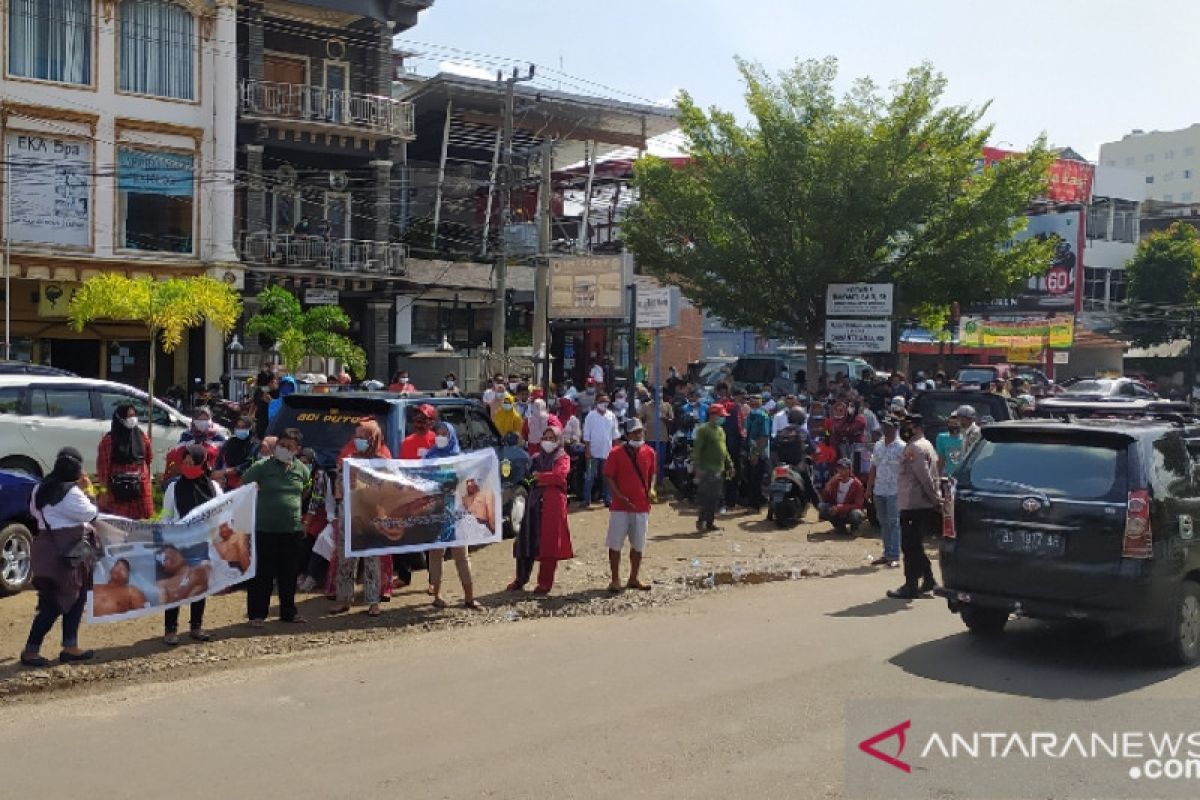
[679,563]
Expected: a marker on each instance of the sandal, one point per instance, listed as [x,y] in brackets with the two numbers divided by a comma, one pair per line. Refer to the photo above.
[515,587]
[171,639]
[474,605]
[614,588]
[638,585]
[339,609]
[373,610]
[438,603]
[199,636]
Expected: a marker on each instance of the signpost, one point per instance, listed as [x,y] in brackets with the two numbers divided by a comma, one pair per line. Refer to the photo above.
[858,317]
[657,309]
[855,336]
[859,300]
[592,287]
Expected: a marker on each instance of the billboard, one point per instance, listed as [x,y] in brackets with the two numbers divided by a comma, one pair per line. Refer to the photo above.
[1070,180]
[52,203]
[1015,332]
[1055,289]
[591,287]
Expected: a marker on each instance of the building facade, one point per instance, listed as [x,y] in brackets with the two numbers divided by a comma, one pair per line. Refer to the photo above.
[1170,161]
[118,145]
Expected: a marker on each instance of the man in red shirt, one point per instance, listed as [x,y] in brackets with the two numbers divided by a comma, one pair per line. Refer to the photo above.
[629,471]
[843,500]
[418,443]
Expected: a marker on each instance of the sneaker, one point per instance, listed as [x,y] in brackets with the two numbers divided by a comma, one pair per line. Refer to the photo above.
[893,563]
[905,592]
[880,562]
[928,584]
[306,585]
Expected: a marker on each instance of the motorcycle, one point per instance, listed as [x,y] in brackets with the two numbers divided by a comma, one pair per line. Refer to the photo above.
[790,493]
[680,471]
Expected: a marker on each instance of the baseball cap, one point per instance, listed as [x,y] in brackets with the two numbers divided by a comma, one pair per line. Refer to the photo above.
[716,410]
[845,462]
[633,425]
[965,411]
[428,411]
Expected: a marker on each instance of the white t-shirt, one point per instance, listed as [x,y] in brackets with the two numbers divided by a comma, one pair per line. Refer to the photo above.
[779,421]
[74,509]
[599,431]
[886,460]
[597,374]
[170,510]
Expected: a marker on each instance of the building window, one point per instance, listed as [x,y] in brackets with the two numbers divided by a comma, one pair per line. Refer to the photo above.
[1149,179]
[1167,198]
[155,201]
[157,49]
[50,40]
[1116,286]
[1187,174]
[1186,197]
[1097,220]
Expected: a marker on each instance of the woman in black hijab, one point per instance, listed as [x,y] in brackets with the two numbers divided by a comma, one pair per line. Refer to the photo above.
[62,509]
[123,465]
[194,487]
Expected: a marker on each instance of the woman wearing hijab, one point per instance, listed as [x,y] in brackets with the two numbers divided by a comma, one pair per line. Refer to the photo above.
[123,466]
[194,487]
[544,535]
[62,509]
[446,445]
[535,425]
[367,443]
[287,385]
[238,452]
[507,418]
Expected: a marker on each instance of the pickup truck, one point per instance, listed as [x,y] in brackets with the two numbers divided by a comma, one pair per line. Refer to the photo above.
[327,423]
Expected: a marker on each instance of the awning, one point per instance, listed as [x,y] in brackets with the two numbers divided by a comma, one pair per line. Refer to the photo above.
[1174,349]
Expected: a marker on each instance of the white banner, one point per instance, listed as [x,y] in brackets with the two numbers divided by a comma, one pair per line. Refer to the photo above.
[858,335]
[148,567]
[394,506]
[52,189]
[858,300]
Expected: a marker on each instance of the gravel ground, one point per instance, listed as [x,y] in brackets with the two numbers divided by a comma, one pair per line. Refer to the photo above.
[679,563]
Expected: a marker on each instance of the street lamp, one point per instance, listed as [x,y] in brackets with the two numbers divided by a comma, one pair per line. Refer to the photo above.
[275,354]
[235,349]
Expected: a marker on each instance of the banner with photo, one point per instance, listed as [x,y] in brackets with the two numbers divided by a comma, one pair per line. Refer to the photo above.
[148,567]
[394,506]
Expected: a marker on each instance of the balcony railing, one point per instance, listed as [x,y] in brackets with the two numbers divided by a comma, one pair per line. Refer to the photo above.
[315,252]
[290,101]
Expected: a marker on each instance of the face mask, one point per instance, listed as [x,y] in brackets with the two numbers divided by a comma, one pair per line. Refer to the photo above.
[442,441]
[130,422]
[602,407]
[283,454]
[361,445]
[242,433]
[506,406]
[512,387]
[403,379]
[449,384]
[636,443]
[202,425]
[191,471]
[549,446]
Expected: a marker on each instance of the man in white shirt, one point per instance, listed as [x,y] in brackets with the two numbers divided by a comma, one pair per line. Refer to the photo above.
[599,432]
[780,420]
[883,484]
[596,373]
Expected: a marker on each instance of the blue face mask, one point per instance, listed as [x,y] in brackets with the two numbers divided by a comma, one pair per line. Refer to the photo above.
[242,433]
[361,445]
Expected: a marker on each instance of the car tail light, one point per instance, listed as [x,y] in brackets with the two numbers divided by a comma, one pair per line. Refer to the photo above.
[781,472]
[948,491]
[1138,541]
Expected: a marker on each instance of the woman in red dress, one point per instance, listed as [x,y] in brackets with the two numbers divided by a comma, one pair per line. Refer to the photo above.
[123,466]
[544,535]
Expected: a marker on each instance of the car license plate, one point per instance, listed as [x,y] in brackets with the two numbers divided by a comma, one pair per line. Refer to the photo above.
[1028,542]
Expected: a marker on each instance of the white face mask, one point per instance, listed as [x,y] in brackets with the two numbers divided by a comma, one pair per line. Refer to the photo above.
[449,384]
[442,441]
[202,425]
[130,422]
[602,407]
[283,454]
[636,443]
[549,446]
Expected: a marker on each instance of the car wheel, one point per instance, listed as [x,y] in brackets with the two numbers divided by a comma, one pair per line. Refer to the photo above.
[21,464]
[984,621]
[516,512]
[16,546]
[1182,645]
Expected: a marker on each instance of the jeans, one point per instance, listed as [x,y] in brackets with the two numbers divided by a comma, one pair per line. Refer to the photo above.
[887,508]
[278,563]
[595,469]
[48,613]
[195,617]
[708,495]
[853,518]
[914,525]
[663,451]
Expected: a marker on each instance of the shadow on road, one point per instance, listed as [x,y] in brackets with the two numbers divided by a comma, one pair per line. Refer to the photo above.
[1059,661]
[876,608]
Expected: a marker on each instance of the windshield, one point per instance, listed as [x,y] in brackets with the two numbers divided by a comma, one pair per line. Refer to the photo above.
[937,410]
[1091,387]
[976,376]
[754,370]
[325,430]
[1059,468]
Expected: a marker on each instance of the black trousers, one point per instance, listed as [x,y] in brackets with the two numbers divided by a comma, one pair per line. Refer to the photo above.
[524,570]
[195,617]
[278,557]
[915,525]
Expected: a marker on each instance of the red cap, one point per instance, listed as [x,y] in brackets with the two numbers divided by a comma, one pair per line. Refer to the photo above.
[428,410]
[717,410]
[591,382]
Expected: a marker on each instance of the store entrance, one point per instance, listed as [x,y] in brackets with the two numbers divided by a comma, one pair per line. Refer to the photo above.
[81,356]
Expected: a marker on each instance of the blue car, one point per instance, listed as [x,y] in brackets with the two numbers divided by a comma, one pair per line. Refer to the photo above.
[16,530]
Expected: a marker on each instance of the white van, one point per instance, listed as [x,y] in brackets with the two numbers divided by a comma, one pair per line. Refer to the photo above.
[39,415]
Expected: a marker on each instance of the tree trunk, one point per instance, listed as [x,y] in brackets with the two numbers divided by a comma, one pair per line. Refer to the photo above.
[812,365]
[150,400]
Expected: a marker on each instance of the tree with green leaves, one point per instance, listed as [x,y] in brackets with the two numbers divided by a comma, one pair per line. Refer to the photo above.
[1163,289]
[301,333]
[166,307]
[821,189]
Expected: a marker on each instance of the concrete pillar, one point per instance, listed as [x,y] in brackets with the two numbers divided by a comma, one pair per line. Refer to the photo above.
[224,142]
[254,41]
[376,338]
[256,195]
[216,362]
[383,69]
[381,186]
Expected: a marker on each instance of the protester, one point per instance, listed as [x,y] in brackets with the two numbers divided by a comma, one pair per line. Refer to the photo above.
[658,431]
[712,462]
[419,442]
[596,375]
[62,509]
[287,386]
[780,419]
[202,430]
[758,453]
[971,431]
[400,383]
[620,405]
[949,447]
[544,534]
[599,433]
[367,443]
[535,424]
[194,487]
[238,453]
[586,400]
[629,472]
[281,480]
[507,419]
[123,467]
[735,440]
[883,488]
[266,385]
[920,503]
[450,384]
[843,500]
[447,446]
[494,394]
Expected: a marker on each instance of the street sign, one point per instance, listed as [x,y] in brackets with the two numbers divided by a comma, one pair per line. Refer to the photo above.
[591,287]
[321,297]
[1062,357]
[858,335]
[654,308]
[859,300]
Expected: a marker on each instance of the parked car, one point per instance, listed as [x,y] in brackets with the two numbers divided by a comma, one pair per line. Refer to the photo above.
[16,531]
[27,368]
[327,423]
[983,374]
[936,407]
[762,369]
[1108,389]
[707,372]
[1093,520]
[40,415]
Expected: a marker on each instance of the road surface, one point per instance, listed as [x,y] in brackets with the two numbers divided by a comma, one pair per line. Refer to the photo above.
[738,693]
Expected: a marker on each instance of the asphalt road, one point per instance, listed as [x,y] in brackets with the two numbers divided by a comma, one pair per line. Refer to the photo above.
[738,693]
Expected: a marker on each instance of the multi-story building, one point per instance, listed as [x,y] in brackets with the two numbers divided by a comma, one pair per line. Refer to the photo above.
[1112,229]
[1169,160]
[118,144]
[322,145]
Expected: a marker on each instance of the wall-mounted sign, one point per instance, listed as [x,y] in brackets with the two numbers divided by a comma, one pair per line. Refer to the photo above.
[859,300]
[587,288]
[321,297]
[54,297]
[1057,331]
[858,335]
[52,195]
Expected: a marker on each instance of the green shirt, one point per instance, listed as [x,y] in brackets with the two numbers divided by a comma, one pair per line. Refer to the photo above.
[280,487]
[708,450]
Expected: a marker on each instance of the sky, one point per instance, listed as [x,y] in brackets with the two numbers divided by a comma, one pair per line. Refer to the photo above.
[1081,71]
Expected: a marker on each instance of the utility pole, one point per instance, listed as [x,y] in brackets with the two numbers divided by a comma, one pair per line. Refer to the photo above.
[501,308]
[541,286]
